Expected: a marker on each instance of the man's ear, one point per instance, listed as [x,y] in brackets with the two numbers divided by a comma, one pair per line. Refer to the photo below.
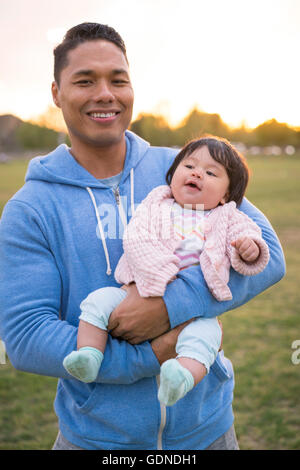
[55,93]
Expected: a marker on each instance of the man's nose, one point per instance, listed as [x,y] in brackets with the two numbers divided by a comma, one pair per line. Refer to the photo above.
[103,92]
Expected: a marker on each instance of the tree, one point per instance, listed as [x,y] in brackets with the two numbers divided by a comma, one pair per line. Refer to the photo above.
[154,129]
[198,123]
[31,136]
[52,118]
[275,133]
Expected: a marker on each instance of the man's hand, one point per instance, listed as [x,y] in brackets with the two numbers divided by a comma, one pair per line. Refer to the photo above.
[139,319]
[164,346]
[246,248]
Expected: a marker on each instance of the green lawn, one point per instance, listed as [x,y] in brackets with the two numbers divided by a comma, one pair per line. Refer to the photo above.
[257,337]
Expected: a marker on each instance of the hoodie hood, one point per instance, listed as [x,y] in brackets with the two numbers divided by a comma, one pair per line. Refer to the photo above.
[60,166]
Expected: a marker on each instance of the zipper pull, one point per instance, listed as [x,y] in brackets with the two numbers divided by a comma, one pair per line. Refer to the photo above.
[117,195]
[122,214]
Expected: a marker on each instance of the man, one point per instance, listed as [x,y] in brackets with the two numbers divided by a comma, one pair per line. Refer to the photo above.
[54,251]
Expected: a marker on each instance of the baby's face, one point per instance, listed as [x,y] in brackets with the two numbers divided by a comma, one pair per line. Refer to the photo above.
[200,180]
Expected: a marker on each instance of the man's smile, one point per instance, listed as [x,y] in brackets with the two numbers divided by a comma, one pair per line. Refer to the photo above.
[101,116]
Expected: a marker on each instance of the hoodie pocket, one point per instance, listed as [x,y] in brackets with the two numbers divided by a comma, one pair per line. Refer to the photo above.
[90,401]
[222,367]
[118,416]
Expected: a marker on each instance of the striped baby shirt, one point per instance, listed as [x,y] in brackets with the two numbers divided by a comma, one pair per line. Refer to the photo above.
[189,227]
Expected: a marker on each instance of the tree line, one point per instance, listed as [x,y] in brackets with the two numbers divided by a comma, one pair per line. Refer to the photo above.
[156,130]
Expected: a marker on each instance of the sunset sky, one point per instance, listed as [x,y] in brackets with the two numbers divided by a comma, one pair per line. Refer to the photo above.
[238,58]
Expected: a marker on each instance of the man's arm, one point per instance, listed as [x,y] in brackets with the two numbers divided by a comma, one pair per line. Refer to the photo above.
[36,339]
[188,295]
[199,301]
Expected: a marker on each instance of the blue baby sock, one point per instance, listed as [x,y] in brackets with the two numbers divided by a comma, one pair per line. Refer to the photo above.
[84,364]
[175,382]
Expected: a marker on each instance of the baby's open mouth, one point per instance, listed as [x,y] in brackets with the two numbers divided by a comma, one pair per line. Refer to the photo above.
[192,185]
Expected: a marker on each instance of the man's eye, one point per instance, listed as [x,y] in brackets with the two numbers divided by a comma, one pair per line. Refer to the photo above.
[83,82]
[119,82]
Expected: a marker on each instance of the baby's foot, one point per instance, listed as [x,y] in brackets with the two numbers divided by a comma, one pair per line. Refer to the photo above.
[84,364]
[175,382]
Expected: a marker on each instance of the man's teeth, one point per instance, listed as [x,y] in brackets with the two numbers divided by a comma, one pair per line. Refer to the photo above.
[102,115]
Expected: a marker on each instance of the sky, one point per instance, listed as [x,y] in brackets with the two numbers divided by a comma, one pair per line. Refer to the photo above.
[237,58]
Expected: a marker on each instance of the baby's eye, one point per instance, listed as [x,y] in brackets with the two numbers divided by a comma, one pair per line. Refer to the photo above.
[189,166]
[210,173]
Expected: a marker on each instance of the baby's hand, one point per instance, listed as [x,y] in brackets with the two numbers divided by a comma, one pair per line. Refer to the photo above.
[246,248]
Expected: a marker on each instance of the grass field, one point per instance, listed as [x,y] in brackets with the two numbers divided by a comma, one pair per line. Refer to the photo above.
[257,337]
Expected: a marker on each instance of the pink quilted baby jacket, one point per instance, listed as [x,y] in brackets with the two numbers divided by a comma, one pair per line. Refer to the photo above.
[150,242]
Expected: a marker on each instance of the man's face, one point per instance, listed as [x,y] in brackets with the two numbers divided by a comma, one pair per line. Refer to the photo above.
[95,94]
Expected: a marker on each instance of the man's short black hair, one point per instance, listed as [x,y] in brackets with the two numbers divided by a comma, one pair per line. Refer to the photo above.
[80,34]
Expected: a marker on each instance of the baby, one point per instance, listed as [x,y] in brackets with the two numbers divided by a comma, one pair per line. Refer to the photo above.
[192,220]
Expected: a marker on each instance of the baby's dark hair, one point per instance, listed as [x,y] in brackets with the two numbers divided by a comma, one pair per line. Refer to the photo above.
[223,152]
[81,33]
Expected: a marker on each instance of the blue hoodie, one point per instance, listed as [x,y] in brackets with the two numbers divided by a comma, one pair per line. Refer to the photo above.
[52,256]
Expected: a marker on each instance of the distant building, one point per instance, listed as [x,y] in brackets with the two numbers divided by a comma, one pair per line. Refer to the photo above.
[8,128]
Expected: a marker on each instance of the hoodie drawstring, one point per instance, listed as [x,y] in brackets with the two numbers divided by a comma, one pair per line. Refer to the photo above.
[108,270]
[132,191]
[108,267]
